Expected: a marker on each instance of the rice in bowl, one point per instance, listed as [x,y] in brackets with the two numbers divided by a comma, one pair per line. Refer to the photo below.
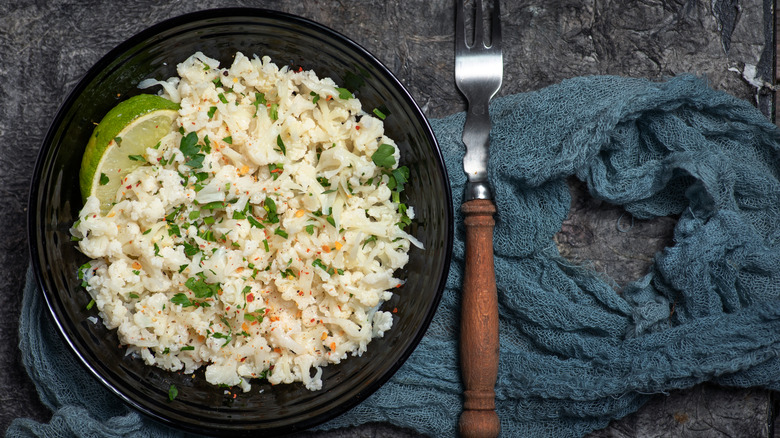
[262,235]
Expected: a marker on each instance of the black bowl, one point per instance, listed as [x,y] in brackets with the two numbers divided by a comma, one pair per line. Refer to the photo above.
[55,201]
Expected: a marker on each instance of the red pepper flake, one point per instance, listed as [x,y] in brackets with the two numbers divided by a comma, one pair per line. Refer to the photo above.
[300,69]
[395,309]
[250,298]
[357,127]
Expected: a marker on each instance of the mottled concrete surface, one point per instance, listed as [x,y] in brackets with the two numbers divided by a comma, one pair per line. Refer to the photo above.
[46,45]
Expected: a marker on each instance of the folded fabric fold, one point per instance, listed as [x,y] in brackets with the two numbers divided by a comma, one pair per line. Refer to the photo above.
[575,354]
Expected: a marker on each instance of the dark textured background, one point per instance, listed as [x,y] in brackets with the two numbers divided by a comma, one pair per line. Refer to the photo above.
[47,45]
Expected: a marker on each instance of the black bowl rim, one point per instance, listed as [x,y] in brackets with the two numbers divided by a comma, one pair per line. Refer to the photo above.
[200,15]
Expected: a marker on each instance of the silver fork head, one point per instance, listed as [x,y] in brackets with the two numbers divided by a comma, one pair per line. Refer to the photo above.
[478,64]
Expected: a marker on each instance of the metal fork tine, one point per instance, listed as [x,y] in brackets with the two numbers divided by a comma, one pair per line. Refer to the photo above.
[479,31]
[495,23]
[460,18]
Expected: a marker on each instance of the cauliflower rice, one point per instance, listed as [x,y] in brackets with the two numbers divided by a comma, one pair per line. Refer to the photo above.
[262,235]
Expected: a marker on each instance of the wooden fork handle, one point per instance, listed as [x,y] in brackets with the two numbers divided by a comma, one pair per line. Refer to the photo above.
[479,323]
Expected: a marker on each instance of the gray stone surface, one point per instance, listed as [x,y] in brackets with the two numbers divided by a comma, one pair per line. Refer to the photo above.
[46,45]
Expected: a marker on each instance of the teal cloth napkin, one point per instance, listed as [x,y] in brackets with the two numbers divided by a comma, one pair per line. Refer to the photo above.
[575,354]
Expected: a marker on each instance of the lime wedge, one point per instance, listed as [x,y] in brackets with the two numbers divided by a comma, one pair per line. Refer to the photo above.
[118,144]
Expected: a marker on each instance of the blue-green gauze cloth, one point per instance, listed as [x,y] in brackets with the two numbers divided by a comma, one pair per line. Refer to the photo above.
[575,354]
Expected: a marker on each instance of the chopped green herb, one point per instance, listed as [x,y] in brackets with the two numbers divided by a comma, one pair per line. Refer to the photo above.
[318,263]
[309,229]
[270,207]
[82,270]
[274,111]
[344,93]
[405,220]
[384,156]
[190,149]
[288,273]
[187,348]
[315,97]
[103,179]
[212,110]
[173,230]
[219,335]
[118,141]
[280,143]
[214,205]
[196,161]
[259,100]
[189,144]
[369,239]
[281,232]
[254,222]
[173,392]
[222,98]
[228,139]
[182,299]
[399,177]
[207,144]
[90,304]
[133,296]
[172,215]
[379,113]
[190,249]
[200,288]
[207,235]
[136,157]
[194,214]
[276,170]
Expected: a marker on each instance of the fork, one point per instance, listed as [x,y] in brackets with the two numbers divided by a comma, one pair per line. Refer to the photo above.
[478,75]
